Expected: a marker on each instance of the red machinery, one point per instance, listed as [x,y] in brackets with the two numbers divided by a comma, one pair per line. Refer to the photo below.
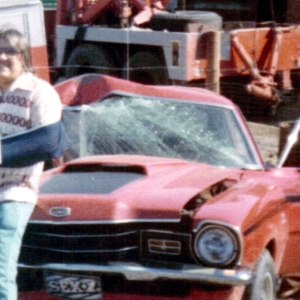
[178,47]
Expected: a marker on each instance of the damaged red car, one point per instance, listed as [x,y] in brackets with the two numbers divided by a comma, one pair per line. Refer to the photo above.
[164,196]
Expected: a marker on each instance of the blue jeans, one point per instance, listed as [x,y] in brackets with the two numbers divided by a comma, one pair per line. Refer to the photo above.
[13,220]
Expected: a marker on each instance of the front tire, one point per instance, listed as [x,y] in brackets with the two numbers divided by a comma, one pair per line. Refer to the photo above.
[263,286]
[89,58]
[146,68]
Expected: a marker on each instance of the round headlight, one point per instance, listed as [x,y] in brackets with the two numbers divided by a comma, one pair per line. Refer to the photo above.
[216,246]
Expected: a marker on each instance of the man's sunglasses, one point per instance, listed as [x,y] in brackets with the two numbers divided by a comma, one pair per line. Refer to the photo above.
[8,50]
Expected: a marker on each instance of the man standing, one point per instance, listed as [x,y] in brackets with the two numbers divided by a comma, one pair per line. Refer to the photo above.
[26,103]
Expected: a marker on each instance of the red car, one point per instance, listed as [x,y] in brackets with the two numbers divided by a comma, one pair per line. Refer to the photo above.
[165,196]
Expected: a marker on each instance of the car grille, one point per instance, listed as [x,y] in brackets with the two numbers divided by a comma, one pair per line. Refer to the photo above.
[95,243]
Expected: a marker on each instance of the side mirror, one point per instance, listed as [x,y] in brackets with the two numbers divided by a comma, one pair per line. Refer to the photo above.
[289,144]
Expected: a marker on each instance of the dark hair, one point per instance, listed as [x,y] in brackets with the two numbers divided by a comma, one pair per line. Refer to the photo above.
[17,40]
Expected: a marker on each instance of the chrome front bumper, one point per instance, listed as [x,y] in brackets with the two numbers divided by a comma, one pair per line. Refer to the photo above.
[139,272]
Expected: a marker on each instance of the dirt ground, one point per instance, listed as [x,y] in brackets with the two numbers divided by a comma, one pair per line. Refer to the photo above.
[267,139]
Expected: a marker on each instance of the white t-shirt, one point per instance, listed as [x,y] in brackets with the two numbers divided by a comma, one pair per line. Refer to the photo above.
[29,102]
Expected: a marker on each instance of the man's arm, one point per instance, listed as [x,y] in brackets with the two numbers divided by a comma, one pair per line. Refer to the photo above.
[38,144]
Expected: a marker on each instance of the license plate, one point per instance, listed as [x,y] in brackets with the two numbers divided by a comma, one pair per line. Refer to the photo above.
[70,286]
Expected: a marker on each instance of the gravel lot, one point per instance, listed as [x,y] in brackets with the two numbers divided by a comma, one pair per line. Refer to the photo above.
[267,139]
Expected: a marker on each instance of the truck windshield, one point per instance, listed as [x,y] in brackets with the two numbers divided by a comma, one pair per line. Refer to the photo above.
[158,127]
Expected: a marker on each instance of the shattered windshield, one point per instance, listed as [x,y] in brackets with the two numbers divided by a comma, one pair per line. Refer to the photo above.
[157,127]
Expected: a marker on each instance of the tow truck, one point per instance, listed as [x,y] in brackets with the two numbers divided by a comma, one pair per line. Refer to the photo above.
[191,43]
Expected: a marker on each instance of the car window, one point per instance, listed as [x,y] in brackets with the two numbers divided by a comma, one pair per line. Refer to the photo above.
[158,127]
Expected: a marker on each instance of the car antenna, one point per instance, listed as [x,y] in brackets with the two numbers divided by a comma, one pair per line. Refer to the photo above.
[291,140]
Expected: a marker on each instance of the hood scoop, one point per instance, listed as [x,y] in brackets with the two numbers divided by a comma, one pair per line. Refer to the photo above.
[92,179]
[104,167]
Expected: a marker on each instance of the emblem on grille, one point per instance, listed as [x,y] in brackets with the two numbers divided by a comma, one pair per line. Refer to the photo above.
[59,211]
[164,246]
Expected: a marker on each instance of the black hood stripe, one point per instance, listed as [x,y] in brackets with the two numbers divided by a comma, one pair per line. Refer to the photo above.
[88,182]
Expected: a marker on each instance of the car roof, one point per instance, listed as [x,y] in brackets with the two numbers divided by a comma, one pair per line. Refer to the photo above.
[89,88]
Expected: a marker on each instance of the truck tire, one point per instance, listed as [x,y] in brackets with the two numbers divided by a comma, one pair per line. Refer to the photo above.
[263,286]
[182,19]
[146,68]
[88,58]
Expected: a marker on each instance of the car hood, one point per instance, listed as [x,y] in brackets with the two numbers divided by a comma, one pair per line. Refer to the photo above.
[119,188]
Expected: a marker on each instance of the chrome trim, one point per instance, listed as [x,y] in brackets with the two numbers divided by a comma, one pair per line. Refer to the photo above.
[138,272]
[125,221]
[98,235]
[254,150]
[126,249]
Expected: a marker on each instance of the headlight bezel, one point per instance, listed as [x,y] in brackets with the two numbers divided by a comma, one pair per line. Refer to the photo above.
[232,232]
